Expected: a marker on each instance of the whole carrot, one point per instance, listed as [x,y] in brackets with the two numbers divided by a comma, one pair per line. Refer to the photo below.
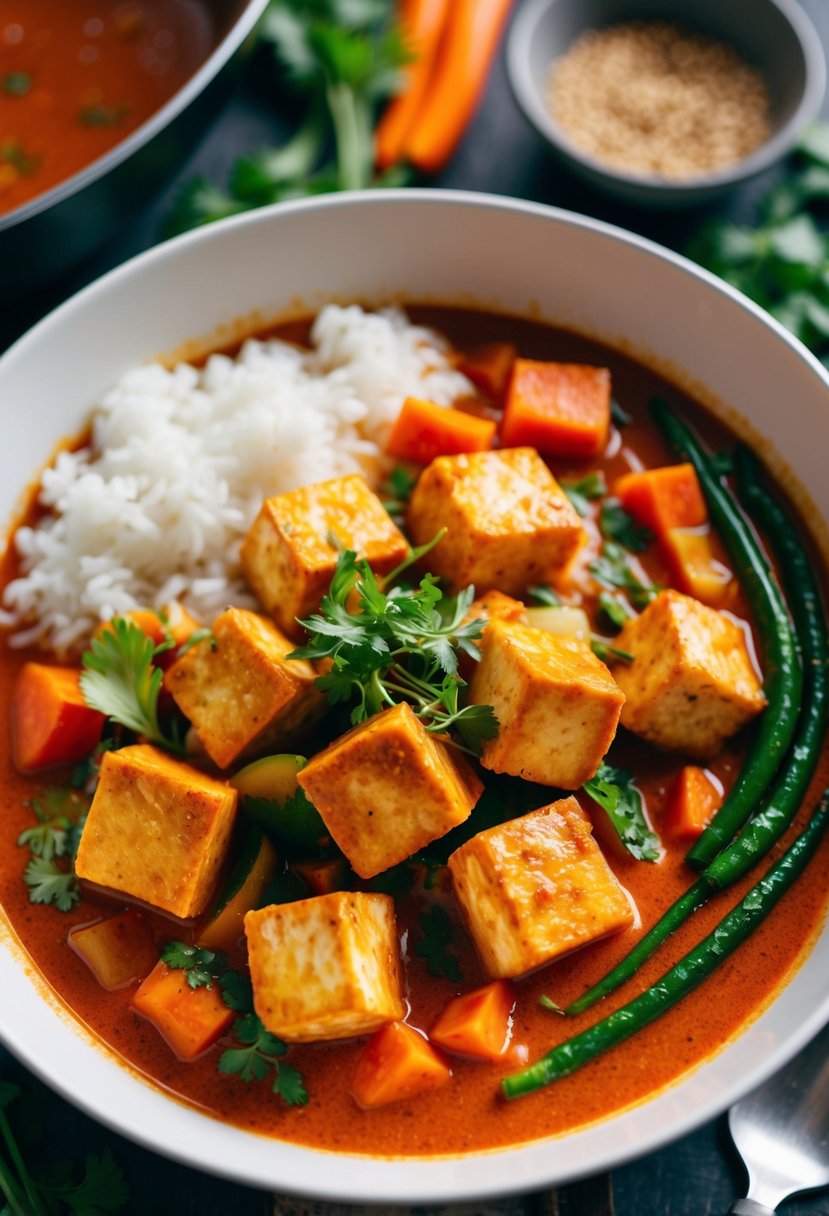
[470,40]
[422,23]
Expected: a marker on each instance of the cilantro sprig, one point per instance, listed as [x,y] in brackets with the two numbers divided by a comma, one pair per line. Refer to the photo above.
[53,843]
[120,679]
[615,791]
[584,491]
[612,570]
[394,646]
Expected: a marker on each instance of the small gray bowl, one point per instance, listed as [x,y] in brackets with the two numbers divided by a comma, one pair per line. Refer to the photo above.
[775,36]
[46,237]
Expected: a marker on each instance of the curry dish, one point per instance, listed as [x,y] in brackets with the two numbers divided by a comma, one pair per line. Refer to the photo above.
[333,867]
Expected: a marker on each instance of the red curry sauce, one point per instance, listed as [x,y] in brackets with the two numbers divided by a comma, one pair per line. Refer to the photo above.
[77,76]
[468,1114]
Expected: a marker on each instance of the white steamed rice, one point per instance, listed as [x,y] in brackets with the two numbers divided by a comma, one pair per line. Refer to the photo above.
[180,460]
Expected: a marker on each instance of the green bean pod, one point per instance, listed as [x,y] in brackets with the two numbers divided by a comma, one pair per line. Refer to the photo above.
[684,976]
[783,676]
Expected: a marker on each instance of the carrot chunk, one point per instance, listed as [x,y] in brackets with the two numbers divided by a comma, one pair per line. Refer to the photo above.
[190,1019]
[490,367]
[692,801]
[477,1023]
[117,950]
[397,1063]
[563,409]
[51,722]
[424,430]
[663,499]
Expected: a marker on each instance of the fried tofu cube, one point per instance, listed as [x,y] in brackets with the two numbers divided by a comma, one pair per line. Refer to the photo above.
[491,606]
[327,967]
[509,523]
[157,830]
[242,695]
[557,705]
[536,888]
[290,552]
[691,684]
[388,788]
[563,409]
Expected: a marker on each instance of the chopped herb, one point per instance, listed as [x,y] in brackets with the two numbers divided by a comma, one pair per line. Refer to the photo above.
[615,523]
[620,417]
[50,873]
[202,966]
[259,1056]
[48,883]
[611,570]
[14,154]
[17,84]
[614,607]
[397,646]
[197,636]
[433,946]
[604,651]
[397,491]
[581,493]
[543,596]
[102,116]
[121,680]
[614,790]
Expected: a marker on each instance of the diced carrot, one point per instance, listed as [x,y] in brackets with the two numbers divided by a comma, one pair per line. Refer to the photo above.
[477,1023]
[422,22]
[691,803]
[51,722]
[663,499]
[323,877]
[490,367]
[253,871]
[698,563]
[424,430]
[117,950]
[397,1063]
[190,1019]
[563,409]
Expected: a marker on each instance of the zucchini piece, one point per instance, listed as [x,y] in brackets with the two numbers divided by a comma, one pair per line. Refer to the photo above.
[250,875]
[272,799]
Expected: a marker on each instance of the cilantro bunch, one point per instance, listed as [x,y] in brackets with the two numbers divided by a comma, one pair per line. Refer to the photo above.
[53,843]
[397,646]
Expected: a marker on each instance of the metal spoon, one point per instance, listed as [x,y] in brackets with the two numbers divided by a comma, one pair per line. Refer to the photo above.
[782,1132]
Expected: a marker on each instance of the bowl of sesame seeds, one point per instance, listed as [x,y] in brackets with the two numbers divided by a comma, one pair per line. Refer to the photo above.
[666,104]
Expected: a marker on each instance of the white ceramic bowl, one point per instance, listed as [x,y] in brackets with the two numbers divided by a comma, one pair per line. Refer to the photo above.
[461,248]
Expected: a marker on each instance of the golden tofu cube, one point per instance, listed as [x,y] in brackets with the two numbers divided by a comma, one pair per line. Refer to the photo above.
[242,695]
[691,684]
[535,888]
[509,523]
[495,606]
[327,967]
[157,830]
[557,705]
[290,552]
[389,788]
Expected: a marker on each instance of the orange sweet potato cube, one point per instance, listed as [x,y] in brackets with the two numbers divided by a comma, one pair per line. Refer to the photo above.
[692,802]
[563,409]
[117,950]
[190,1019]
[397,1063]
[290,553]
[242,695]
[489,367]
[477,1023]
[536,888]
[424,430]
[51,722]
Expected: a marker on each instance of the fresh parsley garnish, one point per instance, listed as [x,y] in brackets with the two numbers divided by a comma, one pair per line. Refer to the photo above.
[396,492]
[202,966]
[615,608]
[542,596]
[615,523]
[121,680]
[604,651]
[53,843]
[584,491]
[433,946]
[612,570]
[614,790]
[397,646]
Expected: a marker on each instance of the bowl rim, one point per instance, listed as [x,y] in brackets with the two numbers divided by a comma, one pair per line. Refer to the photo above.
[523,30]
[249,15]
[374,1180]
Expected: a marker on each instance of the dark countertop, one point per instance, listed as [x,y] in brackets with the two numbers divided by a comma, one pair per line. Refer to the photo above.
[698,1175]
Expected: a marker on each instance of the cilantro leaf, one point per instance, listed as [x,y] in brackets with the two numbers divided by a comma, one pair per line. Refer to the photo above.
[543,596]
[615,523]
[121,680]
[236,990]
[615,791]
[612,570]
[49,884]
[584,491]
[202,966]
[433,946]
[259,1055]
[290,1086]
[102,1190]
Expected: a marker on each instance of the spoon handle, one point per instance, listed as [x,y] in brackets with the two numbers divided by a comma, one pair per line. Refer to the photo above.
[749,1207]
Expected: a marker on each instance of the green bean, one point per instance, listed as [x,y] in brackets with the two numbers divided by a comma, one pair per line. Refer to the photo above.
[684,976]
[783,676]
[769,823]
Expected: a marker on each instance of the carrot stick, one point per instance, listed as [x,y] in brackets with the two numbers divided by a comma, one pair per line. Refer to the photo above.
[423,22]
[470,40]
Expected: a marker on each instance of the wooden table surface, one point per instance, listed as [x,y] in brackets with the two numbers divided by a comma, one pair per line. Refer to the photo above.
[696,1176]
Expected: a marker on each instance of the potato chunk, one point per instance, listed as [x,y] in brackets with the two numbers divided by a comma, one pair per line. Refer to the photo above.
[388,788]
[157,830]
[509,522]
[290,552]
[325,968]
[557,705]
[536,888]
[691,683]
[243,697]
